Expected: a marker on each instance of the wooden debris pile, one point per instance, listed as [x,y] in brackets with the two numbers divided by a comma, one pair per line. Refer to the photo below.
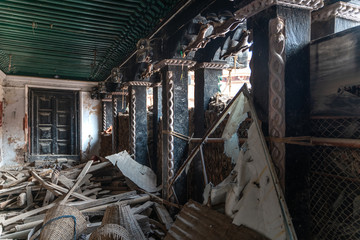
[28,193]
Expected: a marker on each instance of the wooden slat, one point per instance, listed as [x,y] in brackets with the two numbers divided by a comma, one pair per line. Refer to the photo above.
[54,188]
[142,207]
[128,221]
[27,214]
[78,181]
[163,215]
[93,203]
[49,195]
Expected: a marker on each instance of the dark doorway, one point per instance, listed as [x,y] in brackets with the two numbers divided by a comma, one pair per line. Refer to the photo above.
[54,124]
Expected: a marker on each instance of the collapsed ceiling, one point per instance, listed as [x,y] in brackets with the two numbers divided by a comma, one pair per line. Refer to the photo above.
[74,39]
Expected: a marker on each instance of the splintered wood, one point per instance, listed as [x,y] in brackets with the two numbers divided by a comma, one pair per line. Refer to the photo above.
[28,193]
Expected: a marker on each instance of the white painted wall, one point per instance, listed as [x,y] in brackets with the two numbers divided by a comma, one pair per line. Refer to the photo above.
[14,133]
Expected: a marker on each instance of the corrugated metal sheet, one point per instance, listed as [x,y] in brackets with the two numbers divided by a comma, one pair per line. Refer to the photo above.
[77,39]
[200,222]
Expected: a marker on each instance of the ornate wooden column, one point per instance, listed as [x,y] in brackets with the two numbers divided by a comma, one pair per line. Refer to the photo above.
[138,121]
[118,105]
[334,18]
[280,88]
[175,119]
[280,69]
[206,86]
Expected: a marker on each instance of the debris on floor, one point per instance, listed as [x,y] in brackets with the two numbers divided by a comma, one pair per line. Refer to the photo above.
[118,198]
[93,200]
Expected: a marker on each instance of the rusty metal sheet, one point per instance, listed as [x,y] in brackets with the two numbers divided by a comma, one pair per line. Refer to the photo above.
[200,222]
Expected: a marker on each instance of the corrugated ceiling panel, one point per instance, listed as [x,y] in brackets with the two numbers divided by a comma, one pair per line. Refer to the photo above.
[76,39]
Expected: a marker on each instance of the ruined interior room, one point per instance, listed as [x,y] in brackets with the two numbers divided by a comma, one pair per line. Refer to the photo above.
[180,119]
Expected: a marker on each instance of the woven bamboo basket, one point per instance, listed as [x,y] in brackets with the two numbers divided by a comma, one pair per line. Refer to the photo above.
[110,232]
[59,223]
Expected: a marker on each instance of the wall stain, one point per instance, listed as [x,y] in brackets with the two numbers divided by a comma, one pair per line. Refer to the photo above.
[11,140]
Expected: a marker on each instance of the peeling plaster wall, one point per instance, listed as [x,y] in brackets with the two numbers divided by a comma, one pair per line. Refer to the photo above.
[91,125]
[14,132]
[14,144]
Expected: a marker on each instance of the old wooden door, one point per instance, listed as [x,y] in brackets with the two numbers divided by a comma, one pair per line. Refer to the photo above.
[53,124]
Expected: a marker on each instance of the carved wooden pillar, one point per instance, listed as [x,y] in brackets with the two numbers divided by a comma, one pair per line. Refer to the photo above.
[277,93]
[138,121]
[280,69]
[280,86]
[334,18]
[175,119]
[118,105]
[206,85]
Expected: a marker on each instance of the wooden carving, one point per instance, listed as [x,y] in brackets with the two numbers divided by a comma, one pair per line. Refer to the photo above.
[200,41]
[222,28]
[277,94]
[241,46]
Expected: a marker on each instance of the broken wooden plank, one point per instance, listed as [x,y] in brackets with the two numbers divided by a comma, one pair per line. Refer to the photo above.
[163,215]
[127,202]
[93,203]
[64,190]
[27,214]
[142,207]
[16,190]
[128,221]
[14,183]
[91,191]
[29,225]
[78,180]
[7,202]
[66,182]
[111,215]
[86,180]
[52,187]
[34,218]
[74,172]
[21,199]
[29,196]
[143,222]
[49,195]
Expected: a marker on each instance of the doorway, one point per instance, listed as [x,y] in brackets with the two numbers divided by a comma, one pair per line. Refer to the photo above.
[54,124]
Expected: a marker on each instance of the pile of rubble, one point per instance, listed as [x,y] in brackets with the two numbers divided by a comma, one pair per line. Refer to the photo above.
[41,202]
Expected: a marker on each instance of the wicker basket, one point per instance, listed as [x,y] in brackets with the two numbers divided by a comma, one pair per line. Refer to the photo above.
[59,223]
[110,232]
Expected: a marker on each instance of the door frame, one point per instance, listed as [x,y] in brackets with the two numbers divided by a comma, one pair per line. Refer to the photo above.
[29,121]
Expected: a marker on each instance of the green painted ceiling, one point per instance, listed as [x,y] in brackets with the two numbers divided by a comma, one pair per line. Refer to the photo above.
[73,39]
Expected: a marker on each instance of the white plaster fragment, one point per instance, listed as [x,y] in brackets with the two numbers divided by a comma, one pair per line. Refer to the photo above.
[140,174]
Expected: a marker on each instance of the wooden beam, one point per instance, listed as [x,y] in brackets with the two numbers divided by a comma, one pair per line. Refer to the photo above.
[142,207]
[93,203]
[163,215]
